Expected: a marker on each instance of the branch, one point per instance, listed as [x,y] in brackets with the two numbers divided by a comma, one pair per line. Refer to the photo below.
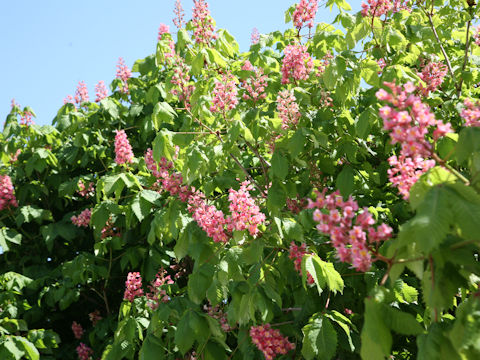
[465,58]
[449,65]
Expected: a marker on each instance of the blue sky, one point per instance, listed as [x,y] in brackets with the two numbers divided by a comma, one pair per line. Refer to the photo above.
[48,46]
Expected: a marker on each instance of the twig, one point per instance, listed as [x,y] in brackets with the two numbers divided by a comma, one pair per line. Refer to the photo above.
[465,58]
[449,65]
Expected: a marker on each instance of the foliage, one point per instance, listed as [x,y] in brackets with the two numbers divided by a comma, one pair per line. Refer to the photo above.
[208,216]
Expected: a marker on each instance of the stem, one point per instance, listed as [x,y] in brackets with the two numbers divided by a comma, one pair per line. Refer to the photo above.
[451,169]
[447,60]
[283,323]
[465,58]
[292,309]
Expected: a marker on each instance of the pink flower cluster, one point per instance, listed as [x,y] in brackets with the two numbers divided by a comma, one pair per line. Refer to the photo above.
[305,13]
[7,198]
[471,113]
[133,286]
[324,62]
[83,190]
[432,74]
[288,109]
[245,214]
[156,293]
[68,100]
[84,352]
[109,230]
[163,29]
[217,313]
[26,118]
[476,35]
[123,149]
[296,205]
[179,14]
[297,63]
[77,330]
[255,37]
[352,234]
[255,85]
[225,94]
[208,217]
[382,7]
[270,341]
[409,121]
[94,317]
[181,78]
[81,94]
[405,171]
[123,73]
[296,253]
[83,219]
[203,28]
[101,91]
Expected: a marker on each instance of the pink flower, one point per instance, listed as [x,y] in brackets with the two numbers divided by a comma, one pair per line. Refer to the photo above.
[297,63]
[296,253]
[245,214]
[123,73]
[382,7]
[84,352]
[123,150]
[247,66]
[255,36]
[218,314]
[255,85]
[81,94]
[288,109]
[163,29]
[94,317]
[109,230]
[179,14]
[133,286]
[181,78]
[101,91]
[305,13]
[26,118]
[83,219]
[156,293]
[471,113]
[270,341]
[202,22]
[351,234]
[225,94]
[77,330]
[432,74]
[84,191]
[68,100]
[7,198]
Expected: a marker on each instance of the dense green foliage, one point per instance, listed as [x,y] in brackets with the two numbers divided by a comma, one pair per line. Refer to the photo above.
[420,299]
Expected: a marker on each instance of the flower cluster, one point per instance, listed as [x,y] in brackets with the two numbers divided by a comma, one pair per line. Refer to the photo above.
[163,29]
[225,94]
[270,341]
[255,85]
[123,73]
[217,313]
[123,149]
[26,118]
[245,214]
[68,100]
[83,219]
[476,35]
[296,253]
[109,230]
[81,94]
[7,198]
[208,217]
[288,109]
[94,317]
[409,121]
[77,330]
[101,91]
[296,205]
[255,37]
[305,13]
[83,190]
[432,74]
[381,63]
[471,113]
[179,14]
[14,157]
[156,293]
[133,286]
[181,78]
[382,7]
[405,171]
[297,63]
[324,62]
[352,234]
[84,352]
[203,26]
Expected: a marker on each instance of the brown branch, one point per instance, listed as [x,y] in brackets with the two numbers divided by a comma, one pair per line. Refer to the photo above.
[465,58]
[449,65]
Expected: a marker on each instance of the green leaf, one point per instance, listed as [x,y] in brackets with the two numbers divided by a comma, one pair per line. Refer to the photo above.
[110,107]
[362,125]
[10,235]
[163,146]
[163,113]
[344,323]
[199,281]
[370,70]
[345,180]
[152,348]
[468,143]
[183,335]
[376,337]
[323,273]
[279,166]
[320,339]
[402,322]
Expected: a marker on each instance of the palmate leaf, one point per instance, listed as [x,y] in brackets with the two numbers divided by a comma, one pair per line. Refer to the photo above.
[320,338]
